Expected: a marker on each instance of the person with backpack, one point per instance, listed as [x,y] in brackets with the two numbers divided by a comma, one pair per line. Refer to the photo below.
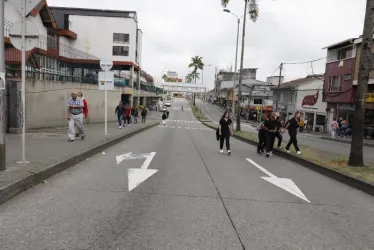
[292,125]
[135,114]
[261,136]
[225,131]
[270,127]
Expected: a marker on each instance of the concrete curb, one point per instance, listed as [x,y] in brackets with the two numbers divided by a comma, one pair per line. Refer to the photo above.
[344,141]
[26,183]
[350,181]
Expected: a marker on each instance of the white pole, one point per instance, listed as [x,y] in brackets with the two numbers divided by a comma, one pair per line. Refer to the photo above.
[23,72]
[106,101]
[236,69]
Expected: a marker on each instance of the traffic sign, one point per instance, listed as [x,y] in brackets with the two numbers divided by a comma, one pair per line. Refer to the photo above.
[106,65]
[108,78]
[258,108]
[30,5]
[31,35]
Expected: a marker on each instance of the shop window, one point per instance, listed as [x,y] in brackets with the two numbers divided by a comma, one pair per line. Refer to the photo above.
[334,84]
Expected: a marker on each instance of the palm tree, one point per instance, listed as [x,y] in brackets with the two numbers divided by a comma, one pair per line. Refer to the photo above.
[252,7]
[356,156]
[165,78]
[188,78]
[195,75]
[196,63]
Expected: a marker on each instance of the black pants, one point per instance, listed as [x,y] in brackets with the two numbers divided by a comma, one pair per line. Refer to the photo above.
[128,118]
[222,139]
[261,141]
[270,137]
[279,136]
[293,140]
[143,119]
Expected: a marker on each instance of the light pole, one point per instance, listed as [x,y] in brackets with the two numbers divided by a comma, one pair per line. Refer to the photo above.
[236,60]
[202,78]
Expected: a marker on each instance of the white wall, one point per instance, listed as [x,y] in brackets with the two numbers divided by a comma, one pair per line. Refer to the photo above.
[311,88]
[95,35]
[140,48]
[46,103]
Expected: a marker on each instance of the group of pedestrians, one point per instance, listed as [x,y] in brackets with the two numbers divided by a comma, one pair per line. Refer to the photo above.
[78,111]
[126,115]
[271,128]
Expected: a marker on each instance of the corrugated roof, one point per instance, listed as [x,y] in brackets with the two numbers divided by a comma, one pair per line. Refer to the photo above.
[299,81]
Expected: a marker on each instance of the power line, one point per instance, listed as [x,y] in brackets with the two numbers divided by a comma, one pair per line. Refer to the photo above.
[311,61]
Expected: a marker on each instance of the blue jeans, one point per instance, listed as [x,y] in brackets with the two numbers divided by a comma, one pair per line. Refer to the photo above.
[120,119]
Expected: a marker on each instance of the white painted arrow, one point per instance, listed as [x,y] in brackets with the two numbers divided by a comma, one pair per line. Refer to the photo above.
[136,176]
[283,183]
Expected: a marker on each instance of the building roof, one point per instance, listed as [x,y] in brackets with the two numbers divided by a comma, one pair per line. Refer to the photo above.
[299,81]
[341,43]
[60,12]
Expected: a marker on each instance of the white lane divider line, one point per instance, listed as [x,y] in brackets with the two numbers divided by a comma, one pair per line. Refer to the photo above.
[283,183]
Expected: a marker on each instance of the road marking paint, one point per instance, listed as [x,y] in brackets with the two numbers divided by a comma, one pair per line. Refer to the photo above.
[283,183]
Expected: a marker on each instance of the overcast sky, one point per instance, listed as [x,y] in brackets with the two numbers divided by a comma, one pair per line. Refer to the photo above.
[286,31]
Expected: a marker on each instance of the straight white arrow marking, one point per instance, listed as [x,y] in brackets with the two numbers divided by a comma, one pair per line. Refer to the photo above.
[283,183]
[136,176]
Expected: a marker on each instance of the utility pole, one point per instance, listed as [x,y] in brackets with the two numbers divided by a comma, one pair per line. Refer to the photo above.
[236,70]
[241,66]
[279,83]
[2,91]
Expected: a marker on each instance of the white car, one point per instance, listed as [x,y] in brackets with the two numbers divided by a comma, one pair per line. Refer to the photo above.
[167,103]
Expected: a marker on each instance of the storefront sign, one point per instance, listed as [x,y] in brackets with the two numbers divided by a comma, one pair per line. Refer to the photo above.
[370,97]
[128,91]
[346,106]
[310,100]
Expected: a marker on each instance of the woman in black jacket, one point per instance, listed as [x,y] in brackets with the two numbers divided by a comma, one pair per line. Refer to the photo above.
[225,131]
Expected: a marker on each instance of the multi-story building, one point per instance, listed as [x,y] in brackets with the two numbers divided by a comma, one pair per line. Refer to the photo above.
[304,95]
[64,57]
[342,67]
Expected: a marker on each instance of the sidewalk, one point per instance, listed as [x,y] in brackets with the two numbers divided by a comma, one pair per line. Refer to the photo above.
[367,142]
[49,152]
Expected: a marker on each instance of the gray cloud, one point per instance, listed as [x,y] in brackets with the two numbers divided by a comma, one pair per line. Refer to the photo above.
[286,31]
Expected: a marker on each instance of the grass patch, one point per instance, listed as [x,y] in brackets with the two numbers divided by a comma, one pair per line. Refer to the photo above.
[197,113]
[325,159]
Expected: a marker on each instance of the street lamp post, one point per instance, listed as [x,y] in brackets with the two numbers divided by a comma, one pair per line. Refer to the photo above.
[236,60]
[202,78]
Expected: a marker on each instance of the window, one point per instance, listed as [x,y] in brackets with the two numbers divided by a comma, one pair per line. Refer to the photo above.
[347,77]
[121,38]
[120,51]
[345,53]
[257,101]
[334,84]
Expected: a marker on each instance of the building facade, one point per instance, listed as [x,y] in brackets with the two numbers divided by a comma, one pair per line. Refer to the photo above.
[303,95]
[60,61]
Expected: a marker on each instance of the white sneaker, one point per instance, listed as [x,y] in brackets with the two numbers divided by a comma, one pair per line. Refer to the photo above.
[120,127]
[287,151]
[221,151]
[298,152]
[229,152]
[128,125]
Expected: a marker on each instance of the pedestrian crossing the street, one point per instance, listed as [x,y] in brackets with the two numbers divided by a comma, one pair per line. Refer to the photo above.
[180,127]
[244,125]
[184,121]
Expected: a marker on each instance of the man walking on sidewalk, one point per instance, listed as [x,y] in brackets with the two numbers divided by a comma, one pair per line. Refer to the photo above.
[75,116]
[85,110]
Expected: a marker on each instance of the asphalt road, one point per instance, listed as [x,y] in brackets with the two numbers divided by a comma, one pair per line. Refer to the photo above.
[310,140]
[198,199]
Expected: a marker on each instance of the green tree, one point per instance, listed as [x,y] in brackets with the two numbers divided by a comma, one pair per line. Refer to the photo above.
[250,8]
[165,78]
[188,78]
[196,63]
[195,75]
[356,156]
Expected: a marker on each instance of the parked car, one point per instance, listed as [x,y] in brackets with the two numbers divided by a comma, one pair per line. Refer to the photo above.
[167,103]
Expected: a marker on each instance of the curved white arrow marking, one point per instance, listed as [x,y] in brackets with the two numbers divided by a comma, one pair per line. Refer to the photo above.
[283,183]
[136,176]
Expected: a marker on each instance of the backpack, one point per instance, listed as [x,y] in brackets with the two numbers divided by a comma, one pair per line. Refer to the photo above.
[259,126]
[217,134]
